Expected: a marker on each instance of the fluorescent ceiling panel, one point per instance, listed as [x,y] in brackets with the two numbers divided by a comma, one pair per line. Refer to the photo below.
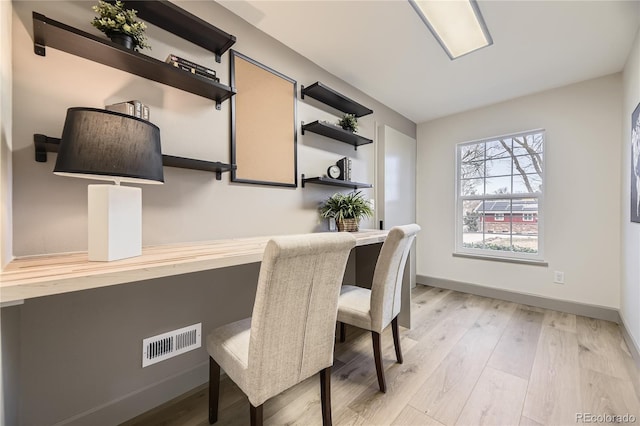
[456,24]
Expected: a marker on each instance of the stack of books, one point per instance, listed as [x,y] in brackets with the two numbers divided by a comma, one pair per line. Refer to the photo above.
[345,168]
[134,108]
[192,67]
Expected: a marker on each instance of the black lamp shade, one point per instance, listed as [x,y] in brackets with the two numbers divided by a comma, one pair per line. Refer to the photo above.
[106,145]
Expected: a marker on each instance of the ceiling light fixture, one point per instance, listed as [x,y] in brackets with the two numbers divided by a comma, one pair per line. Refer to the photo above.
[457,25]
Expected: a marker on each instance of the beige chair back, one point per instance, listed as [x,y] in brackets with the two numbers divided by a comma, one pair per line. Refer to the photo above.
[387,277]
[294,315]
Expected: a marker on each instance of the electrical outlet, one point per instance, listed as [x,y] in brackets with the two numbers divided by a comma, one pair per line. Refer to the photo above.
[332,224]
[558,277]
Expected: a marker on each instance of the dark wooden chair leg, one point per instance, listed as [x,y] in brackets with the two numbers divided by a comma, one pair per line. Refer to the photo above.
[325,396]
[396,340]
[214,390]
[343,332]
[377,354]
[256,415]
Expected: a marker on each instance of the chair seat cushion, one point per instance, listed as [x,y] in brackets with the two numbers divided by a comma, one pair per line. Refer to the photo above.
[228,345]
[354,306]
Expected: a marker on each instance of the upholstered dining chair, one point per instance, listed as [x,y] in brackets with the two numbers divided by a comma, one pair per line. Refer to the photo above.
[291,333]
[374,309]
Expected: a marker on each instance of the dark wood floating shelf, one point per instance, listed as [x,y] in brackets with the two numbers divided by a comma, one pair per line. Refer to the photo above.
[176,20]
[46,144]
[47,32]
[188,163]
[335,182]
[330,97]
[334,132]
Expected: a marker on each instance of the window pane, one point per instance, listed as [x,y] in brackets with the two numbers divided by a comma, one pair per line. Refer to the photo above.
[471,153]
[472,170]
[499,167]
[497,228]
[499,185]
[525,235]
[472,187]
[472,223]
[527,184]
[495,149]
[497,242]
[528,163]
[525,205]
[528,144]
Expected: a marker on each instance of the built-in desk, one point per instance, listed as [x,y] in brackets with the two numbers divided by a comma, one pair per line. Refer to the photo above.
[46,275]
[81,325]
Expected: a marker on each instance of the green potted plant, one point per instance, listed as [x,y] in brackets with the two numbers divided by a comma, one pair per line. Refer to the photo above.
[347,210]
[349,122]
[120,25]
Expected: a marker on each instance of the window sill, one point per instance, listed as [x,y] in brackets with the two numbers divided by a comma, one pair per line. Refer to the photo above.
[502,259]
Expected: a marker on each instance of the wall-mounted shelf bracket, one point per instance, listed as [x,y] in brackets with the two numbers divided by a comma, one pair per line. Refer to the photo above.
[44,144]
[39,49]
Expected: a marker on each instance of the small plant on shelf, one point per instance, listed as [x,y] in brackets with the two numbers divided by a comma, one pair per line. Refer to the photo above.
[347,210]
[349,122]
[120,25]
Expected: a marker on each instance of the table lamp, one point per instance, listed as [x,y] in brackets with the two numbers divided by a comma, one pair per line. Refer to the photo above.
[106,145]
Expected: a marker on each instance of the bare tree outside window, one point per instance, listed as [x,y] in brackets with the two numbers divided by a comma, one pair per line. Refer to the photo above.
[499,186]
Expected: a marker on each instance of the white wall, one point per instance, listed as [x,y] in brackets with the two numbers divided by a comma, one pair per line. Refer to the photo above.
[630,291]
[50,211]
[7,402]
[582,208]
[5,133]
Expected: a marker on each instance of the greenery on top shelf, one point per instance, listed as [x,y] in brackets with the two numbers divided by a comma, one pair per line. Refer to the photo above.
[115,19]
[349,122]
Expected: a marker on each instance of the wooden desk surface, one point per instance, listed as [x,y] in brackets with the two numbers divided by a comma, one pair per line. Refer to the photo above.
[37,276]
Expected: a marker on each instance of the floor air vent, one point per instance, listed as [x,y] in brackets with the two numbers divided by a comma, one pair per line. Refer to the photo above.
[167,345]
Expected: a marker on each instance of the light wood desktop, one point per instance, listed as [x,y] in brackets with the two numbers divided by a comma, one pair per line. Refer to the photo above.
[46,275]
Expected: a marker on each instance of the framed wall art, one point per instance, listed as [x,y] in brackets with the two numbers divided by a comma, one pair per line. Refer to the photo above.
[263,124]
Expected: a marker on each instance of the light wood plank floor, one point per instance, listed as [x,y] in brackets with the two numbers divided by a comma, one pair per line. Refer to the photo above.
[468,360]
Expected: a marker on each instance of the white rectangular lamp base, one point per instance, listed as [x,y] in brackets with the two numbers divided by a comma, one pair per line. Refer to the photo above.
[115,222]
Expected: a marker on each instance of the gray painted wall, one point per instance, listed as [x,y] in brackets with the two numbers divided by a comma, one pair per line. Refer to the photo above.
[191,205]
[63,346]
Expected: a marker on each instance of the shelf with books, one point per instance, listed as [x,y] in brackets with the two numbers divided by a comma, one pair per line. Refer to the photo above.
[323,180]
[335,132]
[50,33]
[44,144]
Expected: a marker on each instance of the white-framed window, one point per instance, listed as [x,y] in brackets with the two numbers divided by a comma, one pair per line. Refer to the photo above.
[499,196]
